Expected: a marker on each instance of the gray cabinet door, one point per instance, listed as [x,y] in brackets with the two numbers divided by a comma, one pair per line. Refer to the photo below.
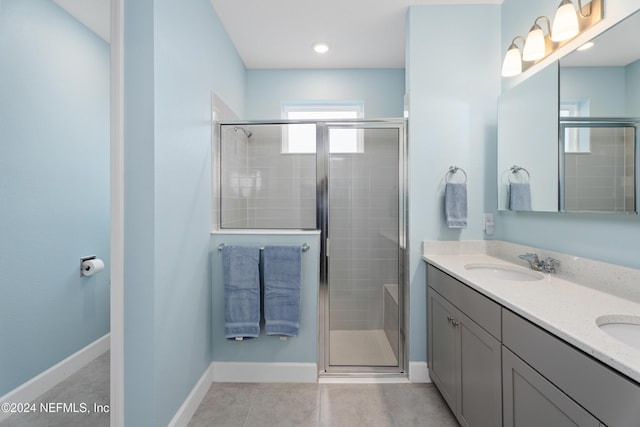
[464,362]
[480,393]
[442,343]
[532,401]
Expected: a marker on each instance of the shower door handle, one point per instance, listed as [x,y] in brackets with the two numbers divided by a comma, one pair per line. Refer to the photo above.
[327,248]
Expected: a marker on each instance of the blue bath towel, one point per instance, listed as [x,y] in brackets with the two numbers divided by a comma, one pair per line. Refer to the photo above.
[520,196]
[455,205]
[282,275]
[241,291]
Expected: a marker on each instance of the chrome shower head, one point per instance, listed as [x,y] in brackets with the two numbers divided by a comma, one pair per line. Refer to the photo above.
[247,132]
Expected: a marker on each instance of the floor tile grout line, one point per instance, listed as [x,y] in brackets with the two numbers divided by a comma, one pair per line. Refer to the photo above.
[246,418]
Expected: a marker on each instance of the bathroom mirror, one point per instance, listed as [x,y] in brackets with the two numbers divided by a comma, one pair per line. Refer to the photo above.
[599,119]
[528,140]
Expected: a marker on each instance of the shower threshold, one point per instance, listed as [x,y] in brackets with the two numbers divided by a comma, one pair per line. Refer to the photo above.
[361,356]
[363,378]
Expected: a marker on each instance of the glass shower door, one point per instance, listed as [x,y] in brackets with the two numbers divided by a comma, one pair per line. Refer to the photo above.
[365,247]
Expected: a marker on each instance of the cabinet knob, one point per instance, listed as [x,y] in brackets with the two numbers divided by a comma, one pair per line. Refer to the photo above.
[455,323]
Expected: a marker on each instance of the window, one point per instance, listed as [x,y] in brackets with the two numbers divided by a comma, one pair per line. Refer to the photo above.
[576,140]
[301,138]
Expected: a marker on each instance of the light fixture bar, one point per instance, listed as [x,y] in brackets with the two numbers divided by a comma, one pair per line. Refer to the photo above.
[587,16]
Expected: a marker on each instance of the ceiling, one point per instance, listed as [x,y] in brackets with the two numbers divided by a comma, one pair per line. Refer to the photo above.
[92,13]
[615,47]
[278,34]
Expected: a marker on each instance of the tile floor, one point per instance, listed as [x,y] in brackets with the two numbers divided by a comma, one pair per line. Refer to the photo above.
[89,385]
[269,405]
[326,405]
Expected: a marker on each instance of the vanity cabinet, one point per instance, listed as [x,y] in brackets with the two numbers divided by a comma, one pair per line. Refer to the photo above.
[495,368]
[532,401]
[464,350]
[537,365]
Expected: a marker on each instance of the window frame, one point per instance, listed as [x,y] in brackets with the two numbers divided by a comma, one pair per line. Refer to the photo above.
[576,140]
[322,108]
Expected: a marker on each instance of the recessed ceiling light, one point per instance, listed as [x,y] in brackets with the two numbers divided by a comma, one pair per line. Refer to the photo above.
[321,47]
[585,46]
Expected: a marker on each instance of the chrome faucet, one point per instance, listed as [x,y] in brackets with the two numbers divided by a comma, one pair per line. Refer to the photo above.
[548,265]
[533,260]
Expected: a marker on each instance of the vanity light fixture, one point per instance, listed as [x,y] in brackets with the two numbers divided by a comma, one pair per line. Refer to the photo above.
[320,47]
[567,24]
[512,65]
[535,47]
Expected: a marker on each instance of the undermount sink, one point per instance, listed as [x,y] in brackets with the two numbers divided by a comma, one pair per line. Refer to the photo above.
[623,328]
[504,272]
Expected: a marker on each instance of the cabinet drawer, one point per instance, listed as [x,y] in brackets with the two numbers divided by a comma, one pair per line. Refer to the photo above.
[481,309]
[611,397]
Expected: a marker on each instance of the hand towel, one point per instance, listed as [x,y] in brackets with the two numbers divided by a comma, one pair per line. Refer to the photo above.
[282,276]
[455,202]
[241,291]
[520,196]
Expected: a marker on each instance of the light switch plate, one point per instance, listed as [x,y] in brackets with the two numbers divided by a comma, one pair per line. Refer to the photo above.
[488,224]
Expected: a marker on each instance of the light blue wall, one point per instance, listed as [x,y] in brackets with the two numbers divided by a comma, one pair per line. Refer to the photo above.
[301,349]
[604,87]
[611,238]
[54,187]
[632,74]
[139,215]
[382,90]
[454,83]
[176,53]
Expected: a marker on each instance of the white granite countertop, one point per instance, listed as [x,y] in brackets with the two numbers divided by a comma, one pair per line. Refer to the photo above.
[562,307]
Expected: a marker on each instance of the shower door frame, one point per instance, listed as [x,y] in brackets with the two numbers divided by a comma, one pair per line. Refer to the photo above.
[322,223]
[322,215]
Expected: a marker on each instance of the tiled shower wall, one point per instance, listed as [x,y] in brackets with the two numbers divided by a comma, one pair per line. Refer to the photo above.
[363,229]
[262,187]
[235,179]
[285,183]
[602,179]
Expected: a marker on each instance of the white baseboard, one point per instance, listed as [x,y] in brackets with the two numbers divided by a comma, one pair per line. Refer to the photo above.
[191,403]
[257,372]
[48,379]
[419,372]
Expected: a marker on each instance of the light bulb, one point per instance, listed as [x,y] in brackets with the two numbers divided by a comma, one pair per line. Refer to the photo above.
[534,47]
[512,65]
[321,47]
[565,23]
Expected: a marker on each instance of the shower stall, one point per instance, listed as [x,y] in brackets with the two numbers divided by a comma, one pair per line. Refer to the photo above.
[346,179]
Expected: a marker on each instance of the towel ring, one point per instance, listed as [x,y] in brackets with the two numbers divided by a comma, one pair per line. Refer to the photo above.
[515,170]
[452,171]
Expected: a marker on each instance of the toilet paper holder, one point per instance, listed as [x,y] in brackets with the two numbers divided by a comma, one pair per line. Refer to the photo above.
[82,260]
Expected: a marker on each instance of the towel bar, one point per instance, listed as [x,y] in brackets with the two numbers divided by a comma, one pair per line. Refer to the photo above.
[305,247]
